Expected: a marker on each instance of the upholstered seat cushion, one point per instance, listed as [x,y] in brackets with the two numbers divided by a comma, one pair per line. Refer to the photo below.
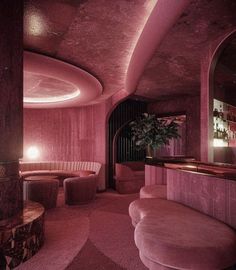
[43,191]
[139,173]
[153,191]
[80,190]
[179,237]
[142,207]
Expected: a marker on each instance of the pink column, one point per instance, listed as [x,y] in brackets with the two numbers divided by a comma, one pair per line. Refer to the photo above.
[11,107]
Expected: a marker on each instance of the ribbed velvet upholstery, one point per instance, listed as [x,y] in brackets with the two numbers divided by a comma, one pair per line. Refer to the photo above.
[61,165]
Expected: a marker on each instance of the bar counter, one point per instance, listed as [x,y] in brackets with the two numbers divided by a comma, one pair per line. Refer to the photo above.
[221,170]
[209,188]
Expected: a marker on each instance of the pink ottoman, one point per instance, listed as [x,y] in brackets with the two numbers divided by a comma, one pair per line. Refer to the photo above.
[43,191]
[178,237]
[80,190]
[153,191]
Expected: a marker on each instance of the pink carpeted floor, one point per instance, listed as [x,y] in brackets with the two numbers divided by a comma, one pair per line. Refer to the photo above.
[96,236]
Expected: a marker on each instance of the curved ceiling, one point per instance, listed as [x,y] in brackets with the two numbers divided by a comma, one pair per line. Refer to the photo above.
[50,83]
[100,36]
[174,69]
[96,35]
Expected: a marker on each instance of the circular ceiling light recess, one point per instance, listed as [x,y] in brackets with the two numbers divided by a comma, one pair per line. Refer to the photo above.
[50,83]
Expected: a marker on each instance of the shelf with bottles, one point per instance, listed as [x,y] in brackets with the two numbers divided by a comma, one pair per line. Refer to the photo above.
[224,111]
[221,125]
[224,121]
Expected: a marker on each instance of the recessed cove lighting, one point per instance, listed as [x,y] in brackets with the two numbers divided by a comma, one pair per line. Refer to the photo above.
[52,98]
[51,83]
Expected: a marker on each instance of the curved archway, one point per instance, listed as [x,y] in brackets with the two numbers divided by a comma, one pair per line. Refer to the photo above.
[207,89]
[121,115]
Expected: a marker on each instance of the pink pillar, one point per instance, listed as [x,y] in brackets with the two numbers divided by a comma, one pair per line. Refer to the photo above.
[11,107]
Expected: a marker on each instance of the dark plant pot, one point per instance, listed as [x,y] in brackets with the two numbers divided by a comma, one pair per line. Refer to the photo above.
[149,152]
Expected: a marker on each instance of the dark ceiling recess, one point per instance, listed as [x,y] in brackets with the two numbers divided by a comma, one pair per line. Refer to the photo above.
[122,149]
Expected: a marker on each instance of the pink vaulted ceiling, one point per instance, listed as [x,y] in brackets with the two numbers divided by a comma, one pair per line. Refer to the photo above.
[100,36]
[96,35]
[175,67]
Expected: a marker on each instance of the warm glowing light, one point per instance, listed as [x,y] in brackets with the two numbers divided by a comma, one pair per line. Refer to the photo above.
[36,23]
[149,6]
[32,152]
[190,166]
[52,99]
[219,143]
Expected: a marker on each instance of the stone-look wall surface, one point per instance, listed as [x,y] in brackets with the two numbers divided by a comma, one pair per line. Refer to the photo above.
[71,134]
[211,195]
[11,107]
[65,134]
[23,237]
[11,197]
[191,107]
[11,80]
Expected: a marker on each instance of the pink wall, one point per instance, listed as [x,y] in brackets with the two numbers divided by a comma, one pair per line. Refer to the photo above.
[69,134]
[191,107]
[66,134]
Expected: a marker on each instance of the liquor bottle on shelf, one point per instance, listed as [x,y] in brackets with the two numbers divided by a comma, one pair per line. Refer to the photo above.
[225,135]
[216,130]
[221,115]
[215,113]
[219,133]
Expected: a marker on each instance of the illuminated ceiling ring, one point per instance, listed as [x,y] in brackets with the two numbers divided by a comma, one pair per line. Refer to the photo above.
[51,83]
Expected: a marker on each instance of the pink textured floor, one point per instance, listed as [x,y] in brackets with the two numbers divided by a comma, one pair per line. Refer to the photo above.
[96,236]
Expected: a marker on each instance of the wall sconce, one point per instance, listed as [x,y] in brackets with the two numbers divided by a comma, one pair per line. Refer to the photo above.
[32,152]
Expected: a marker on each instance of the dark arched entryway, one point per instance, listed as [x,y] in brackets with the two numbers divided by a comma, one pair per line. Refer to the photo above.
[119,142]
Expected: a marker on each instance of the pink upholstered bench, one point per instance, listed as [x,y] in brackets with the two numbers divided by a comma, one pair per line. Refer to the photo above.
[170,235]
[153,191]
[140,208]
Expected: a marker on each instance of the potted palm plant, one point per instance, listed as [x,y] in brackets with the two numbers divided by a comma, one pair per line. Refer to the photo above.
[148,132]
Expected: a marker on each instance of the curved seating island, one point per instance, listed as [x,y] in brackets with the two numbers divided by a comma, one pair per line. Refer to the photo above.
[80,181]
[194,228]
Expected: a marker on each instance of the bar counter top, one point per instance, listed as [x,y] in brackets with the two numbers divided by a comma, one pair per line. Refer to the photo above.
[221,170]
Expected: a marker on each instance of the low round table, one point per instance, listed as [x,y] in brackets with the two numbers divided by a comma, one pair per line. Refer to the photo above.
[42,189]
[40,177]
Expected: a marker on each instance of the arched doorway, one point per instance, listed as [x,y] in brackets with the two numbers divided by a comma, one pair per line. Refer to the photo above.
[120,147]
[208,68]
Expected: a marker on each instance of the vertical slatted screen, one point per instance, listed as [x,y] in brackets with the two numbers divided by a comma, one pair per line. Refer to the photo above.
[123,113]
